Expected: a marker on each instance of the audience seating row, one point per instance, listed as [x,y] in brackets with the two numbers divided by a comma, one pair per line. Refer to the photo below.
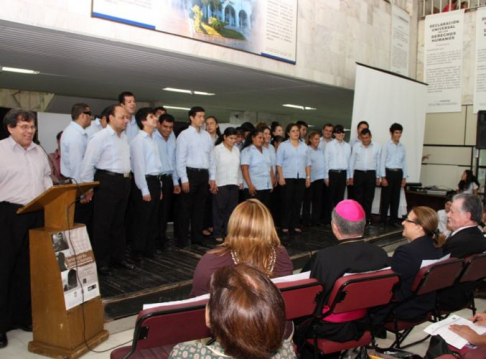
[159,329]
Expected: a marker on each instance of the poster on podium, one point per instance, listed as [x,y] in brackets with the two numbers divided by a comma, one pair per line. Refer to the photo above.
[77,266]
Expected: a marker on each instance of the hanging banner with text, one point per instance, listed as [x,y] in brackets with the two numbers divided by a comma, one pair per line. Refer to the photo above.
[400,41]
[264,27]
[443,61]
[480,80]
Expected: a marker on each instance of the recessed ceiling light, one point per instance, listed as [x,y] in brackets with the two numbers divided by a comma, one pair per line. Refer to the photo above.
[177,90]
[177,108]
[203,93]
[309,108]
[293,106]
[20,71]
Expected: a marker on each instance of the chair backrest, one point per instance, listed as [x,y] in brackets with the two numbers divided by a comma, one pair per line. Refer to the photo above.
[300,297]
[170,324]
[474,268]
[362,290]
[437,276]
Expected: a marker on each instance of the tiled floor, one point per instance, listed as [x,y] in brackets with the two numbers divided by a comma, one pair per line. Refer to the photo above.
[18,340]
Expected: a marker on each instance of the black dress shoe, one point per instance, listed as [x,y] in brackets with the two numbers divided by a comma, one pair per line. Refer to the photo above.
[3,340]
[126,265]
[105,271]
[24,327]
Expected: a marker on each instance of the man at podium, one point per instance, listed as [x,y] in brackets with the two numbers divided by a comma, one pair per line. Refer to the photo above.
[24,174]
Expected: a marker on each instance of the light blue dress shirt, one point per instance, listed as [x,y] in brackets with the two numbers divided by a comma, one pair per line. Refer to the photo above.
[74,140]
[317,164]
[95,127]
[259,167]
[272,155]
[393,156]
[132,130]
[337,156]
[293,160]
[167,151]
[193,150]
[145,160]
[106,151]
[365,158]
[323,144]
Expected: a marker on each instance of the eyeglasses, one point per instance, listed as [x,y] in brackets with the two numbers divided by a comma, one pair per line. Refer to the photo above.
[338,132]
[27,127]
[410,221]
[89,113]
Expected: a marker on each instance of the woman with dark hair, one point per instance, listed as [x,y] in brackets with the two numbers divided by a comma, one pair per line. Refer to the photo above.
[246,315]
[257,168]
[276,129]
[226,166]
[212,127]
[294,168]
[251,239]
[468,183]
[421,229]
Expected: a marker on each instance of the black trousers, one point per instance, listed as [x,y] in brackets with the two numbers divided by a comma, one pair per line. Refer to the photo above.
[390,195]
[262,195]
[83,213]
[191,207]
[224,202]
[15,299]
[364,190]
[165,208]
[275,204]
[311,212]
[336,189]
[110,204]
[292,196]
[146,218]
[326,204]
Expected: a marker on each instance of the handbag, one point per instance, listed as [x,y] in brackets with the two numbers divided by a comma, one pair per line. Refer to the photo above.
[438,347]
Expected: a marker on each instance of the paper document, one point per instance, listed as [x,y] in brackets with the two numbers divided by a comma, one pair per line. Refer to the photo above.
[371,271]
[291,278]
[442,328]
[185,301]
[427,262]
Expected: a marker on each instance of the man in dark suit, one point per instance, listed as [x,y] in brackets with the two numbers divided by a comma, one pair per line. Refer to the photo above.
[466,239]
[351,255]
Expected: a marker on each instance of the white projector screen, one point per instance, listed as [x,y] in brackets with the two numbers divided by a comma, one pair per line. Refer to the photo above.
[382,98]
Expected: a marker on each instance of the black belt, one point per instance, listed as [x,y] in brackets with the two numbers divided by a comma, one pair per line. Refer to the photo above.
[197,169]
[394,169]
[367,171]
[337,171]
[157,177]
[10,204]
[113,174]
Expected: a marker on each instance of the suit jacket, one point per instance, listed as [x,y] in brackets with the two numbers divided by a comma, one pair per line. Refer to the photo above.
[462,244]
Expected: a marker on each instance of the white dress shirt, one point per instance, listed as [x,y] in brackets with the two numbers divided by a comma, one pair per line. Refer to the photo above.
[365,158]
[24,174]
[132,130]
[226,166]
[74,140]
[106,151]
[336,157]
[145,160]
[95,127]
[442,214]
[167,152]
[393,156]
[193,150]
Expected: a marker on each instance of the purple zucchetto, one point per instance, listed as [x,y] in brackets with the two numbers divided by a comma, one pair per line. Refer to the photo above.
[350,210]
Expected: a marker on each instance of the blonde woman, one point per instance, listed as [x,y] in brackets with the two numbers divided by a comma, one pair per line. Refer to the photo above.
[251,239]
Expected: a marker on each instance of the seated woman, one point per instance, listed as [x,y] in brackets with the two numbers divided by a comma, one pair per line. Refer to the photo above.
[246,315]
[420,227]
[468,183]
[472,337]
[251,239]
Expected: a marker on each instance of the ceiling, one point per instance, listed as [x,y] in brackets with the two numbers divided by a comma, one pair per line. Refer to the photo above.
[89,68]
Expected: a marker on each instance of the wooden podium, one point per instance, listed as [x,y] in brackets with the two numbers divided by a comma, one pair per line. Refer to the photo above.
[58,332]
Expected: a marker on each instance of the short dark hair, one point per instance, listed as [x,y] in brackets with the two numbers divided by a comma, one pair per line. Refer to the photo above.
[105,113]
[338,128]
[161,108]
[142,114]
[396,127]
[471,204]
[165,117]
[365,131]
[348,228]
[17,114]
[246,312]
[229,131]
[58,136]
[302,123]
[110,111]
[247,126]
[362,123]
[328,125]
[192,112]
[78,109]
[121,97]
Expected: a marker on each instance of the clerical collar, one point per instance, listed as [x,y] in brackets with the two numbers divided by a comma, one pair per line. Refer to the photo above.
[350,240]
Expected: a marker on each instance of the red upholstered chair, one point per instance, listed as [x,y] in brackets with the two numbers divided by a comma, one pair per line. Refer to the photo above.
[429,279]
[158,330]
[474,271]
[300,297]
[354,293]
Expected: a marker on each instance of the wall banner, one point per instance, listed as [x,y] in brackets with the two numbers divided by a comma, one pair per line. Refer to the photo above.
[443,61]
[400,41]
[264,27]
[480,78]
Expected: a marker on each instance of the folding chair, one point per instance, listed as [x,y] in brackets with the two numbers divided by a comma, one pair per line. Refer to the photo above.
[354,294]
[429,279]
[158,330]
[474,271]
[300,297]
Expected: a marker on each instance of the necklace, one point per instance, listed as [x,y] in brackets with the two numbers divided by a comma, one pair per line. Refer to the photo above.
[271,264]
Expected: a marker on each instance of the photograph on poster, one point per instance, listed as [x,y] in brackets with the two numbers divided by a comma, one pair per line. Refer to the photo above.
[59,242]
